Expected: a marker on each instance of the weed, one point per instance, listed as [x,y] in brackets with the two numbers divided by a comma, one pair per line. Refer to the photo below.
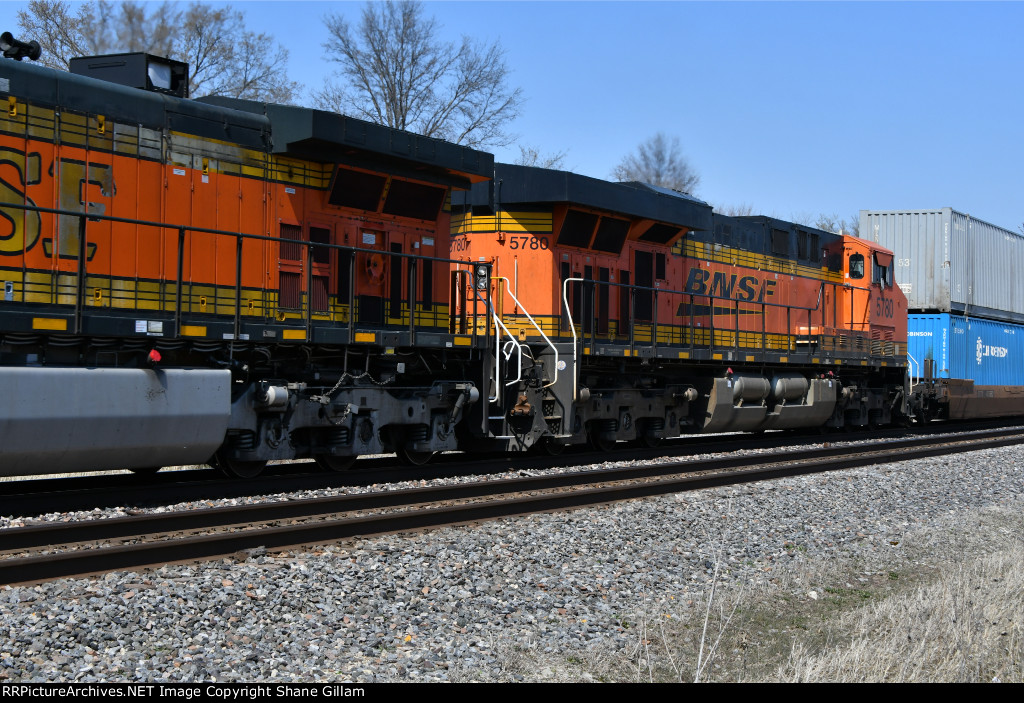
[843,592]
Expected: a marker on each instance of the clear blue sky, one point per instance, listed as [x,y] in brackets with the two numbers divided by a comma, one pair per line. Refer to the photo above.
[795,108]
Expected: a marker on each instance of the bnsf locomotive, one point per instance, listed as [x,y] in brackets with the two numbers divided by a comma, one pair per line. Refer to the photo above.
[636,313]
[226,281]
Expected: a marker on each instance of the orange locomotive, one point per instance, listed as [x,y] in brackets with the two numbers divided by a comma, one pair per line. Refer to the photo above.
[663,317]
[188,278]
[237,282]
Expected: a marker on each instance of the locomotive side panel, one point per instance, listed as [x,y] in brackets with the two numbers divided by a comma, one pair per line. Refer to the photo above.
[519,245]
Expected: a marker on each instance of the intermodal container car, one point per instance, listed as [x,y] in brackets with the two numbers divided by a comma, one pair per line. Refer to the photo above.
[990,353]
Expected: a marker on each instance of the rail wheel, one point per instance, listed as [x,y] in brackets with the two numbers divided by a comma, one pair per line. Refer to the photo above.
[601,444]
[234,468]
[411,457]
[548,447]
[329,462]
[648,441]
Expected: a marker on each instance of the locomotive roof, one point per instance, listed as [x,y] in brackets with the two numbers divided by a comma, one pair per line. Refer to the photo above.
[522,185]
[283,129]
[776,223]
[327,136]
[81,94]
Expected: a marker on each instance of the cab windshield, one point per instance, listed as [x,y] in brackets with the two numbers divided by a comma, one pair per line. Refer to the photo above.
[857,266]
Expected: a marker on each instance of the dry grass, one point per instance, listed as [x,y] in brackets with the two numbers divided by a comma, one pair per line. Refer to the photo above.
[966,626]
[944,606]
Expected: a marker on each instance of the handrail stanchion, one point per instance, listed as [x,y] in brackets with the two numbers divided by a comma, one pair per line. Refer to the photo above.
[764,332]
[80,292]
[693,331]
[736,324]
[412,301]
[632,319]
[654,329]
[180,282]
[309,290]
[238,285]
[711,325]
[351,297]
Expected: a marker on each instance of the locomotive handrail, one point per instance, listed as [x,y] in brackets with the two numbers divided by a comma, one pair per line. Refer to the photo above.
[230,233]
[691,294]
[496,398]
[529,317]
[497,343]
[659,291]
[84,216]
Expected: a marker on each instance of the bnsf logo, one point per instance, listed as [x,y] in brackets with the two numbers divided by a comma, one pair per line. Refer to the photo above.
[722,285]
[983,350]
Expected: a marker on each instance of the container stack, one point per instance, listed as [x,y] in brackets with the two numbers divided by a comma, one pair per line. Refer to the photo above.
[964,294]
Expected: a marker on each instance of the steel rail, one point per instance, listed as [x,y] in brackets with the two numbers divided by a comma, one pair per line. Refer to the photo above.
[88,531]
[101,560]
[30,496]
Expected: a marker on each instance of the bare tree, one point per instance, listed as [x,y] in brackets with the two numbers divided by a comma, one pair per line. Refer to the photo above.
[224,58]
[396,72]
[531,156]
[741,210]
[829,223]
[228,60]
[853,224]
[59,31]
[802,218]
[138,29]
[658,161]
[833,223]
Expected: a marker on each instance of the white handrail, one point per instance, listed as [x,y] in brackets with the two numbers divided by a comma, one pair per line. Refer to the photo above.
[533,322]
[497,344]
[913,361]
[497,361]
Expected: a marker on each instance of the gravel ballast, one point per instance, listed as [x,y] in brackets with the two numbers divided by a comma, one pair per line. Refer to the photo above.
[455,602]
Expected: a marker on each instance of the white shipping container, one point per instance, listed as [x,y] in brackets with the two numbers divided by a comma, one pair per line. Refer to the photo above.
[950,262]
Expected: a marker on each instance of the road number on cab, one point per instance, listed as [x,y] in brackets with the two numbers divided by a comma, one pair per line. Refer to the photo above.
[527,242]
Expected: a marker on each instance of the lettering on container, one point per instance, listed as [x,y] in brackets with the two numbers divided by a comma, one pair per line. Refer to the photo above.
[982,350]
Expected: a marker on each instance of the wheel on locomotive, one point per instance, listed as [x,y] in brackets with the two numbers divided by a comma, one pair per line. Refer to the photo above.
[235,468]
[335,464]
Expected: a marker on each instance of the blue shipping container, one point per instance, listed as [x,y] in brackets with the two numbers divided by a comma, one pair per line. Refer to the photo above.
[990,353]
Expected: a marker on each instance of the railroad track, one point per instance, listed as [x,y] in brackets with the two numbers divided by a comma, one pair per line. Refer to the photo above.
[35,496]
[161,538]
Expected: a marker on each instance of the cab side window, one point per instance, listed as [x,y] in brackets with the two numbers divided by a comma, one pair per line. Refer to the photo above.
[857,266]
[882,274]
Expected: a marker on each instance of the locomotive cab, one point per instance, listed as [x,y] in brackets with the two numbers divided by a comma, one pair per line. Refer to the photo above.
[877,306]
